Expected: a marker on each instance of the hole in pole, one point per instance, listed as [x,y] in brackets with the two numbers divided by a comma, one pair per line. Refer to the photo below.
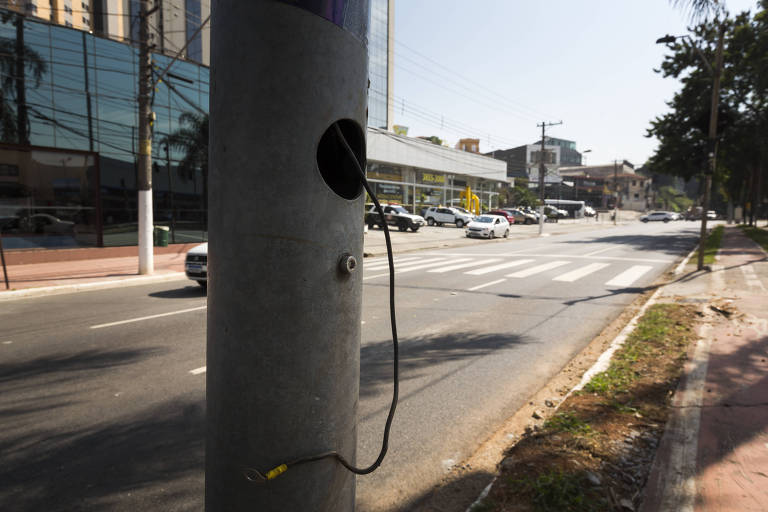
[333,161]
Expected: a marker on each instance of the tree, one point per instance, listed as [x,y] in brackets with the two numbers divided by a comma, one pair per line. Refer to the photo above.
[742,110]
[34,65]
[192,140]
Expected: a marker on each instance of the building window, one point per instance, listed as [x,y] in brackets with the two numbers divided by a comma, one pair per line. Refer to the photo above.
[193,21]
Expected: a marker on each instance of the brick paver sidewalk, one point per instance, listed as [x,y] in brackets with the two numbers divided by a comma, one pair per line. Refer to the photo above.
[85,271]
[714,455]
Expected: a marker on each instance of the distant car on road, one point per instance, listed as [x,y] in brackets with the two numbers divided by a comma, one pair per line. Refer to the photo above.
[521,217]
[395,215]
[447,215]
[711,214]
[589,211]
[488,226]
[196,264]
[503,213]
[657,216]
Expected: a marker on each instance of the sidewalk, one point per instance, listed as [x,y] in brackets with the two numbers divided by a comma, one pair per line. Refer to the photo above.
[714,453]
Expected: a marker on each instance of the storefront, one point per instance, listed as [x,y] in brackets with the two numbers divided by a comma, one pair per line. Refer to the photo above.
[419,174]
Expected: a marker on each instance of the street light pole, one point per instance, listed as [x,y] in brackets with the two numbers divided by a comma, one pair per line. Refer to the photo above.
[712,145]
[712,135]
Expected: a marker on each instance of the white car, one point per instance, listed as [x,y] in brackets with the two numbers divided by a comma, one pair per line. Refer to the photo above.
[443,215]
[488,226]
[657,216]
[196,264]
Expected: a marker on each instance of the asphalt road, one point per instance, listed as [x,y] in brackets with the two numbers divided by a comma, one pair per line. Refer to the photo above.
[103,401]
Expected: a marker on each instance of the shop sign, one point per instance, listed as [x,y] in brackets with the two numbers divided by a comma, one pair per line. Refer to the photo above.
[432,178]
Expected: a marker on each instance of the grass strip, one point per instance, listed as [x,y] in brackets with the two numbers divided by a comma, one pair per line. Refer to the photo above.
[711,246]
[596,452]
[759,235]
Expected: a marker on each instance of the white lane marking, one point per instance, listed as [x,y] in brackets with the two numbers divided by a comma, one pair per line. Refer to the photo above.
[573,275]
[571,256]
[7,342]
[198,371]
[384,264]
[442,270]
[539,268]
[500,266]
[600,251]
[486,284]
[150,317]
[629,276]
[420,266]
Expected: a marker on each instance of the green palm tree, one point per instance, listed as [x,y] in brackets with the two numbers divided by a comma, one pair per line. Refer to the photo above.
[192,140]
[700,10]
[34,66]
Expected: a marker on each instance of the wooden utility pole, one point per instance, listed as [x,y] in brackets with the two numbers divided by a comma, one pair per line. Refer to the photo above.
[542,172]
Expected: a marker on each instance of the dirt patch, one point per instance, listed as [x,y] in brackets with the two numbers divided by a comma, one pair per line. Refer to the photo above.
[596,452]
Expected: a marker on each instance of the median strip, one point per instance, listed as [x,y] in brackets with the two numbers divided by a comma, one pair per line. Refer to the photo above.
[595,452]
[150,317]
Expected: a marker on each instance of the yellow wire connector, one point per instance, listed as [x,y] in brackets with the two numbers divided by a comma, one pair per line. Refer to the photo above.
[279,470]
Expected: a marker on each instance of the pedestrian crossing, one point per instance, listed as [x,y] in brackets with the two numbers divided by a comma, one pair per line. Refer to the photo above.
[565,270]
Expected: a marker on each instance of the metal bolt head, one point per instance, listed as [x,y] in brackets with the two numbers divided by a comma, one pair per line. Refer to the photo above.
[347,263]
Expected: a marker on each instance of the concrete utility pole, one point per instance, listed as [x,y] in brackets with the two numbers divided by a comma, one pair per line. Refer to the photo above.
[712,145]
[284,297]
[146,221]
[615,192]
[542,172]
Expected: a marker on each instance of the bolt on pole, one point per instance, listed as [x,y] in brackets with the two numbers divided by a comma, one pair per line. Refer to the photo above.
[284,297]
[146,221]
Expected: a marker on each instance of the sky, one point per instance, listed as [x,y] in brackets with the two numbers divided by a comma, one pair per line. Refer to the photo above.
[495,69]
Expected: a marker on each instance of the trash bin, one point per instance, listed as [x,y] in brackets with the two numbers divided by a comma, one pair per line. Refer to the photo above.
[161,236]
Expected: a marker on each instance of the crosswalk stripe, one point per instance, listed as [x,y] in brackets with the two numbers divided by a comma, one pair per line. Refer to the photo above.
[573,275]
[486,284]
[384,264]
[449,268]
[539,268]
[402,270]
[629,276]
[398,266]
[494,268]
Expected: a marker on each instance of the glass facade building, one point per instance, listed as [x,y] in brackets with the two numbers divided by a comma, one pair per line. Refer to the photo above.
[378,68]
[68,140]
[69,137]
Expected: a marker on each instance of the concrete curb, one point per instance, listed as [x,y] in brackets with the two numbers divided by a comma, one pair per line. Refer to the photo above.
[84,287]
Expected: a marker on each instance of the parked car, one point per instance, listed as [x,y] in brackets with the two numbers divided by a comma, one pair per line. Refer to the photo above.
[465,212]
[657,216]
[503,213]
[196,264]
[446,215]
[395,215]
[520,216]
[711,214]
[488,226]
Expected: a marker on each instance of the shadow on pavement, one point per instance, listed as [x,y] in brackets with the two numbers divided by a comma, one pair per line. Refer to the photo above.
[420,355]
[668,243]
[52,461]
[152,461]
[180,293]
